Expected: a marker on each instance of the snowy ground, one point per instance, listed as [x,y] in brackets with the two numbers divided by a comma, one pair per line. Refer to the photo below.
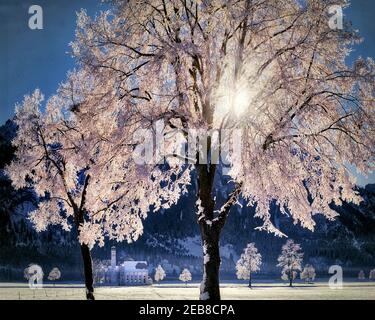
[267,291]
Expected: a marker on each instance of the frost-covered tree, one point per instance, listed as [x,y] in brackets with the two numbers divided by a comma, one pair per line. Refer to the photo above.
[34,274]
[372,274]
[54,275]
[159,273]
[308,273]
[290,261]
[185,276]
[361,275]
[99,269]
[289,276]
[273,69]
[249,262]
[77,161]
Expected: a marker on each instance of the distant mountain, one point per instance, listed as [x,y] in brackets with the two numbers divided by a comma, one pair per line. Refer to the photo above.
[348,241]
[171,237]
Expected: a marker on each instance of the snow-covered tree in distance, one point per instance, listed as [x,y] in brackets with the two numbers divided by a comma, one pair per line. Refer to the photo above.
[33,270]
[185,276]
[159,273]
[361,275]
[99,269]
[290,261]
[273,69]
[249,262]
[372,274]
[54,275]
[308,273]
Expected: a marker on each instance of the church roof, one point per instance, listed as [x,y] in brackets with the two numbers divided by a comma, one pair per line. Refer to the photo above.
[134,265]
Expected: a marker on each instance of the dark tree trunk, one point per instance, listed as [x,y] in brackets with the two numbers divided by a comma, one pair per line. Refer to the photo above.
[79,212]
[87,267]
[210,226]
[291,279]
[210,233]
[210,288]
[250,280]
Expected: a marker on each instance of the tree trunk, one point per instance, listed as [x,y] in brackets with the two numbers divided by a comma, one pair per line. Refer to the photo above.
[291,280]
[250,280]
[79,212]
[210,226]
[210,289]
[87,267]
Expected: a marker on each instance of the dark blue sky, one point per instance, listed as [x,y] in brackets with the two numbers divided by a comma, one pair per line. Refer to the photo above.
[32,59]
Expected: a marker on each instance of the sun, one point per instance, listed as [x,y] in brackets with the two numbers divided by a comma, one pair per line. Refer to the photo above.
[241,102]
[235,103]
[237,97]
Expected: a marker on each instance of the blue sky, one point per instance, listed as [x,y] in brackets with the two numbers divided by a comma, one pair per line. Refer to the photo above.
[32,59]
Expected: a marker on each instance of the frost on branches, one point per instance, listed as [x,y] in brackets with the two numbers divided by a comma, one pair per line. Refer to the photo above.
[290,261]
[159,273]
[248,263]
[80,166]
[372,274]
[33,270]
[308,273]
[99,269]
[54,275]
[273,69]
[185,276]
[361,275]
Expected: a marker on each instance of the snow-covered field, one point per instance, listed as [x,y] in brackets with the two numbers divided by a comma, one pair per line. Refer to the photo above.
[320,290]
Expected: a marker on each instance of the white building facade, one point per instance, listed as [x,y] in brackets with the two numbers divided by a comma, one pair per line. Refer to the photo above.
[127,273]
